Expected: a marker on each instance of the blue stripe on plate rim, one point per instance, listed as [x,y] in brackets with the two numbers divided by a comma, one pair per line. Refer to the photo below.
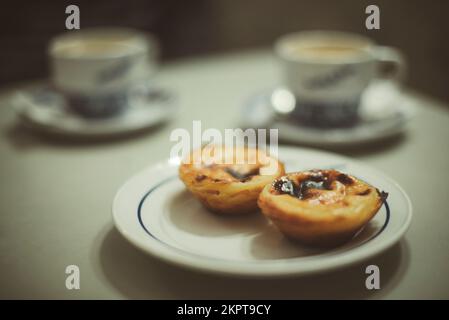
[166,180]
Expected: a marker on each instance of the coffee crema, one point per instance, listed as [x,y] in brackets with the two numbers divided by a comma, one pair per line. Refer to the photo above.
[326,48]
[91,48]
[329,51]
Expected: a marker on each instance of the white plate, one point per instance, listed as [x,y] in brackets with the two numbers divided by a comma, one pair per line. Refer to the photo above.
[154,211]
[384,112]
[46,110]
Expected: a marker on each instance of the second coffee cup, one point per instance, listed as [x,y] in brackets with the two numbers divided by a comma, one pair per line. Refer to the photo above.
[327,72]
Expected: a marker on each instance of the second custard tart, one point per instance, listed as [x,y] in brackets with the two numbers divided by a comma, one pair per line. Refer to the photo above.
[320,207]
[231,182]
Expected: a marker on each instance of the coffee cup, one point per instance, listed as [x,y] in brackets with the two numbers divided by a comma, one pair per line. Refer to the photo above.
[96,69]
[328,71]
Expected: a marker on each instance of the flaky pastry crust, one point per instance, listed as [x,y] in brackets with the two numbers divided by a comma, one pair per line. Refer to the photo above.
[320,207]
[229,185]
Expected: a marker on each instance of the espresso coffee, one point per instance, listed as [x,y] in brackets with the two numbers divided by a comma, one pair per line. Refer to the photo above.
[93,48]
[328,51]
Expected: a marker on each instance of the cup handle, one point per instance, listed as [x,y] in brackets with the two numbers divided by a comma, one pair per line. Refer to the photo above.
[391,63]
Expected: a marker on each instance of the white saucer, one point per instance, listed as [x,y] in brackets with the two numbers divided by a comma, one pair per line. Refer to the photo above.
[44,109]
[384,112]
[155,212]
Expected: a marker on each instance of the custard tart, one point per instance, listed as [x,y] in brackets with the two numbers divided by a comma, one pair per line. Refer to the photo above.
[229,179]
[320,207]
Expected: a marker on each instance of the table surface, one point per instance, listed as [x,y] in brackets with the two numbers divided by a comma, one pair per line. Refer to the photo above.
[55,201]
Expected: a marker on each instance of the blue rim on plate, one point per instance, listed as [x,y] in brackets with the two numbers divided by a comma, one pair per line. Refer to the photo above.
[164,181]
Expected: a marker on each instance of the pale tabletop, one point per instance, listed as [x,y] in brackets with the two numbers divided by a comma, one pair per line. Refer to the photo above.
[55,201]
